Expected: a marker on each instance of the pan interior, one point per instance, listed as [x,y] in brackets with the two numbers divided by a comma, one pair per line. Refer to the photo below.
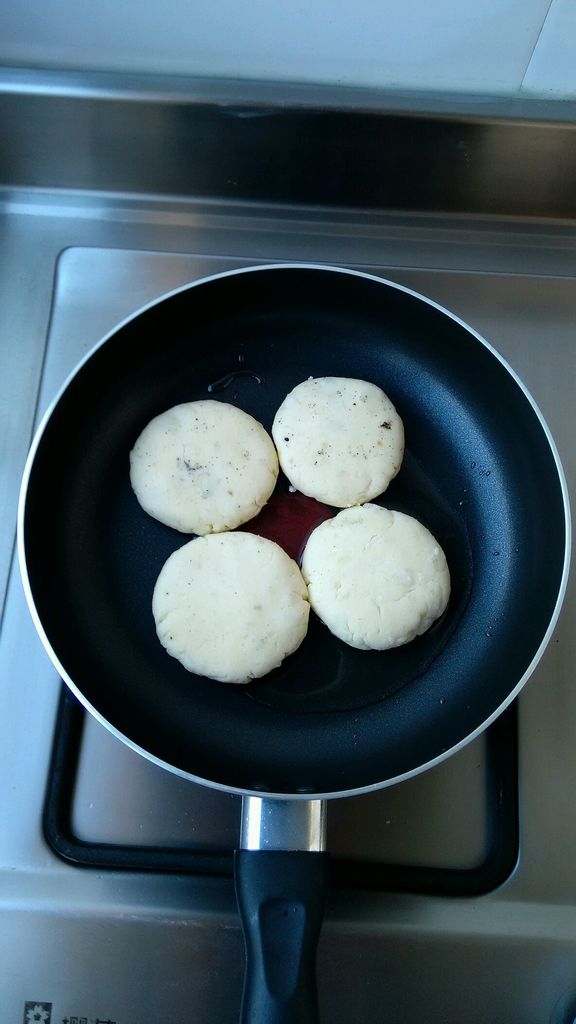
[478,471]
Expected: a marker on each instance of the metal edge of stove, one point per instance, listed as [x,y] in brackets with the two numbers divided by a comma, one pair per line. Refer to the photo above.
[290,94]
[287,144]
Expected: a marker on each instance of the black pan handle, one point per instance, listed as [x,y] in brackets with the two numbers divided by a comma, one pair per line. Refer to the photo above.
[280,895]
[281,901]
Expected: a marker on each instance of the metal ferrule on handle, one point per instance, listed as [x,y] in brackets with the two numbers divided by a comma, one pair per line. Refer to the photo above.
[283,824]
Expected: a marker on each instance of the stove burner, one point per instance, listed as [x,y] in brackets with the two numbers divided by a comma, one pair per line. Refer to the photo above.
[501,779]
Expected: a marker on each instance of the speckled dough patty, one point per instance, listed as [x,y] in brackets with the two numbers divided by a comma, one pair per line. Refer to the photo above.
[377,578]
[203,467]
[339,440]
[230,607]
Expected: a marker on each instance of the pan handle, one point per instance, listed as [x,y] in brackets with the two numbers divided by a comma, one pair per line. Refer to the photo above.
[281,873]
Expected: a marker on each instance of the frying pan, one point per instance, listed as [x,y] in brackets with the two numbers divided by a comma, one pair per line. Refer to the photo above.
[480,470]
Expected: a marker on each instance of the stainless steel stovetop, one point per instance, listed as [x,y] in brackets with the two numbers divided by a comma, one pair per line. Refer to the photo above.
[145,941]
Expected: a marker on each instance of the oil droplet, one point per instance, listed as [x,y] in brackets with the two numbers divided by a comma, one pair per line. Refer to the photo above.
[230,378]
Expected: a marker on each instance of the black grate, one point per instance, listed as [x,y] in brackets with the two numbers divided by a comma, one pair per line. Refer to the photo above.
[499,861]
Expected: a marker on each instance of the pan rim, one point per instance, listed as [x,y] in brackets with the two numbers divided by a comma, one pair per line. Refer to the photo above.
[222,787]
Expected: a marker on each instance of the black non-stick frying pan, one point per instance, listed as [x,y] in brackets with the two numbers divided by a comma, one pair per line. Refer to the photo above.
[480,470]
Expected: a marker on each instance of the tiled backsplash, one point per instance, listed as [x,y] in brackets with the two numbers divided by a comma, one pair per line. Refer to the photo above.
[496,47]
[552,69]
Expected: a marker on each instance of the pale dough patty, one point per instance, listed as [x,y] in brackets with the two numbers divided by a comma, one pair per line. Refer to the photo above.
[230,607]
[203,467]
[339,440]
[376,578]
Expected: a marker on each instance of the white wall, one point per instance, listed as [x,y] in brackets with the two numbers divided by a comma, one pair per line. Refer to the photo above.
[501,47]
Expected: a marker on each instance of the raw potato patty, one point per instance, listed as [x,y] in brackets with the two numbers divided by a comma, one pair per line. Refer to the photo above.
[203,467]
[230,607]
[376,578]
[339,440]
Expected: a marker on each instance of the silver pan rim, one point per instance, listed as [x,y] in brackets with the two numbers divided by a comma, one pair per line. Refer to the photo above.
[265,794]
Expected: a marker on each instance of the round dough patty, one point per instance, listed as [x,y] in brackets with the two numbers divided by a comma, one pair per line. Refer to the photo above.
[339,440]
[203,467]
[230,607]
[376,578]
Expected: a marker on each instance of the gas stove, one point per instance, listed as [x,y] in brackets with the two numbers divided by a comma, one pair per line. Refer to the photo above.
[453,895]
